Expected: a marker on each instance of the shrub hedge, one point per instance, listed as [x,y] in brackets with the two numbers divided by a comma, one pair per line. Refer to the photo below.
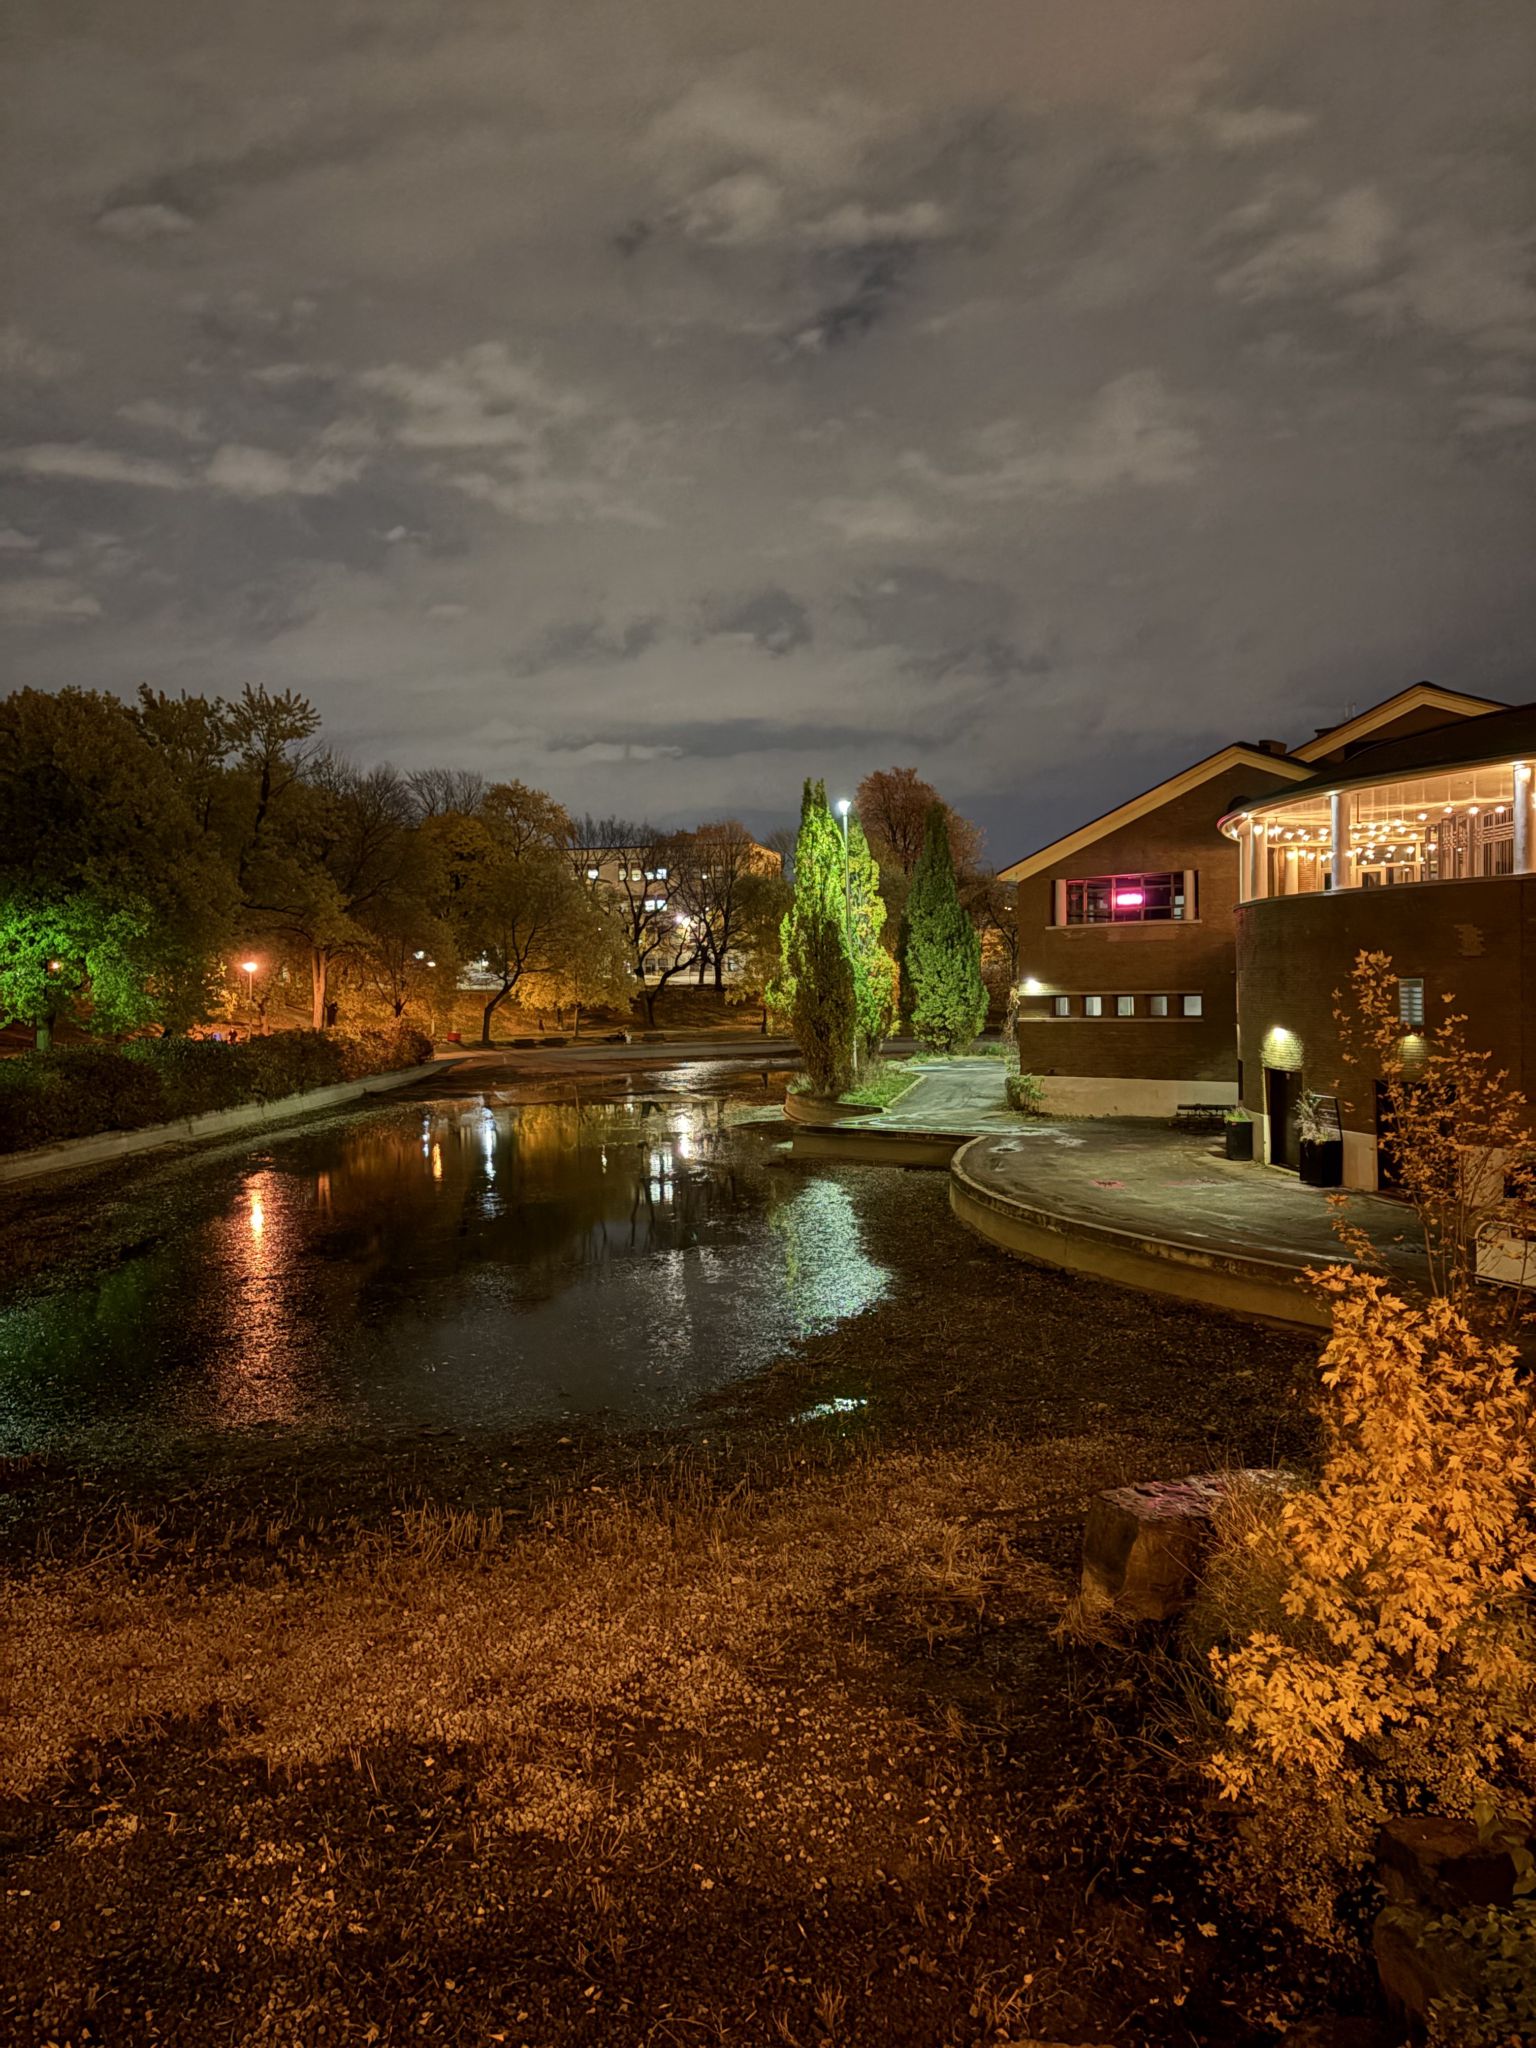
[77,1091]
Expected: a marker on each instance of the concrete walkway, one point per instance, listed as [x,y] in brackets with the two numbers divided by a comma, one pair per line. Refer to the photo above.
[962,1097]
[1164,1210]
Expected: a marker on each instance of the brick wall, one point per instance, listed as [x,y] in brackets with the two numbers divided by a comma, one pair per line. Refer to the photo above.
[1197,957]
[1472,940]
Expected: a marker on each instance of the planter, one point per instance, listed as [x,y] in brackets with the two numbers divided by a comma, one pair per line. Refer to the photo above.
[1240,1141]
[1322,1163]
[823,1111]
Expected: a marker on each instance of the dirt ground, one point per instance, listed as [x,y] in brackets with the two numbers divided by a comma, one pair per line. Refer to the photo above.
[759,1733]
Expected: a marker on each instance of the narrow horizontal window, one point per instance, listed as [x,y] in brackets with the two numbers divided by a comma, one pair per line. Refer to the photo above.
[1157,1006]
[1061,1006]
[1093,1006]
[1193,1006]
[1125,1006]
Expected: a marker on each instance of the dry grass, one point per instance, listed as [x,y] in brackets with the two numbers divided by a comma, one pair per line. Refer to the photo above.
[676,1765]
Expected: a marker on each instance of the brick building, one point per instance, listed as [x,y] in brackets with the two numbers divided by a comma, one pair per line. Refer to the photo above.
[1129,926]
[1421,847]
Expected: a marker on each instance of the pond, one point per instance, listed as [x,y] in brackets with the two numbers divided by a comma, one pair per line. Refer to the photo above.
[470,1261]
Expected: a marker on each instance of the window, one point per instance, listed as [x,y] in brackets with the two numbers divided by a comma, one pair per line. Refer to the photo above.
[661,874]
[1410,1002]
[1093,1006]
[1061,1006]
[1193,1006]
[1125,1006]
[1157,1006]
[591,874]
[1129,899]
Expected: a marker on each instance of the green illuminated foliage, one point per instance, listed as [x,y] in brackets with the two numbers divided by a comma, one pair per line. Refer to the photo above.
[942,955]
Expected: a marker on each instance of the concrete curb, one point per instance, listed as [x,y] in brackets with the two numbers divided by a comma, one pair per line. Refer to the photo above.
[1236,1282]
[107,1145]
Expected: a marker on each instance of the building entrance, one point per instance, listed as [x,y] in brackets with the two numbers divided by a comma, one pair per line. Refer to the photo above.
[1282,1093]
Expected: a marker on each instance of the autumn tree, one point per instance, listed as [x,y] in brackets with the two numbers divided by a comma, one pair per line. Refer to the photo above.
[517,909]
[717,877]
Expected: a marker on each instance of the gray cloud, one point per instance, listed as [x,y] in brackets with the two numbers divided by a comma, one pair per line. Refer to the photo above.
[1041,395]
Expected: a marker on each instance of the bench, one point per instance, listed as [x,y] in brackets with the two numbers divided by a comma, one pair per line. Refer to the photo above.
[1200,1116]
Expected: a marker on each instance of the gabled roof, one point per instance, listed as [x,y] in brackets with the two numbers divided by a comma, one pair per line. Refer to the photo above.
[1508,734]
[1238,756]
[1418,696]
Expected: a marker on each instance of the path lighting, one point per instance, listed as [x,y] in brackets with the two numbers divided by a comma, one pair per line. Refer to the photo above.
[248,969]
[55,966]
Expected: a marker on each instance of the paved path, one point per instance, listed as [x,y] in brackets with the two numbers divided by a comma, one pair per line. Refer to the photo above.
[961,1096]
[1177,1188]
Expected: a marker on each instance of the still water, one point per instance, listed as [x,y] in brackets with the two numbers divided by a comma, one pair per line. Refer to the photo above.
[465,1262]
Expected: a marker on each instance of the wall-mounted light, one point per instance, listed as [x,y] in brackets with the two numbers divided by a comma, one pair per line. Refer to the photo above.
[1030,987]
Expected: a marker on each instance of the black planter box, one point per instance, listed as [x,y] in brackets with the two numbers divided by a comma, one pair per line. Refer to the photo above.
[1322,1163]
[1240,1141]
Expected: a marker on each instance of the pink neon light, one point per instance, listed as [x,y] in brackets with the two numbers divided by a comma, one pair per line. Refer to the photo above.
[1129,899]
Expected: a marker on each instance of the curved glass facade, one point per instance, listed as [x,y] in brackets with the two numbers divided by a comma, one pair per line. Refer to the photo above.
[1456,824]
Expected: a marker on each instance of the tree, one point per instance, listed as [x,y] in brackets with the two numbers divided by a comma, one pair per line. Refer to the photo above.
[893,804]
[114,904]
[943,950]
[816,984]
[516,907]
[1456,1134]
[875,978]
[713,873]
[638,868]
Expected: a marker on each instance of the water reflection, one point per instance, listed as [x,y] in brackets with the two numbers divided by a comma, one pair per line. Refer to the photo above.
[464,1262]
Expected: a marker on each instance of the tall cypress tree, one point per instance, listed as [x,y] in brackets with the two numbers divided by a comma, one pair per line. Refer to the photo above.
[874,971]
[943,950]
[815,983]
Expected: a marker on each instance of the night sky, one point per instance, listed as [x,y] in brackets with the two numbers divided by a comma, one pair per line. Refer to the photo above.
[659,400]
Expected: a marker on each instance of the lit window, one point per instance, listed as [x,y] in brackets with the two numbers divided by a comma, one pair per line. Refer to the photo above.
[1127,899]
[1061,1006]
[1125,1006]
[1157,1006]
[635,875]
[1194,1006]
[1093,1006]
[1410,1002]
[661,874]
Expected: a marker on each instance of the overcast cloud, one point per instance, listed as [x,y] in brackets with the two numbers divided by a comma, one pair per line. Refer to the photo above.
[660,400]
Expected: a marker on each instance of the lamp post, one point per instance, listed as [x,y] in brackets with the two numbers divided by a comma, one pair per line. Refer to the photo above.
[248,969]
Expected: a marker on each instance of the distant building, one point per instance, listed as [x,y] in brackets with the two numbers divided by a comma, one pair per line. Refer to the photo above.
[1132,928]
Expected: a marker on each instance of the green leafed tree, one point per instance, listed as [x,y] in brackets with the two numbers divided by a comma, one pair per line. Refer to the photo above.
[874,971]
[943,948]
[815,983]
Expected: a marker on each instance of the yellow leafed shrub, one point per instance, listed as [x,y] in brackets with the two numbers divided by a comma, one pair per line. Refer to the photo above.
[1400,1674]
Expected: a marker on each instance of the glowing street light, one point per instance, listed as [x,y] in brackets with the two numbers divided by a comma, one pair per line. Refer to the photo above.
[843,808]
[248,969]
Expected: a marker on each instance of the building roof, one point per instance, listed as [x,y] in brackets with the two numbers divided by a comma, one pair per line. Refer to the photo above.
[1505,735]
[1237,756]
[1349,732]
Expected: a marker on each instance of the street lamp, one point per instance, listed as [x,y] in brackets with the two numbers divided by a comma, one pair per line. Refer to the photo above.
[248,969]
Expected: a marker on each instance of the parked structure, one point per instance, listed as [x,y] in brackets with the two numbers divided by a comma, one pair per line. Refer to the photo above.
[1135,957]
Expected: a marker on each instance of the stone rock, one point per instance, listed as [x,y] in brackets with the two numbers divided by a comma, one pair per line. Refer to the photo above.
[1415,1967]
[1142,1545]
[1446,1863]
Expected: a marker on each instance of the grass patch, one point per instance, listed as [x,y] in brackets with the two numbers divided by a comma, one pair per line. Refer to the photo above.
[885,1082]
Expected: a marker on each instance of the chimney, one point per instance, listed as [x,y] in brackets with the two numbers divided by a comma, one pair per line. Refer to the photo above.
[1271,747]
